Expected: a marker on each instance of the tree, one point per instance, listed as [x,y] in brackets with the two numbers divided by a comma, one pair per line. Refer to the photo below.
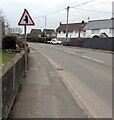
[2,17]
[6,29]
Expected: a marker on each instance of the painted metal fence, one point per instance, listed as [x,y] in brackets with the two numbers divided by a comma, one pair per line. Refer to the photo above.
[11,79]
[99,43]
[94,43]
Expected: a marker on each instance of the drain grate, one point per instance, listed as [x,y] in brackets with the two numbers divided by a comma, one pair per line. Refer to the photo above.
[59,69]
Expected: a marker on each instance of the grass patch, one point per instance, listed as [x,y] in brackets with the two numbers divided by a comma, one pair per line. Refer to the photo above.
[6,56]
[0,58]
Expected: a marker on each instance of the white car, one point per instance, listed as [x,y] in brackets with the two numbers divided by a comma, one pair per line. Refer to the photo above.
[55,41]
[59,42]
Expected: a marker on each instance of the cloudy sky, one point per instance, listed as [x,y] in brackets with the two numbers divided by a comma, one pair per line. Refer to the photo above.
[54,11]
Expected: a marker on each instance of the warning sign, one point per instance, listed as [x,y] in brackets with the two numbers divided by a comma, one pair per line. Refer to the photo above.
[26,19]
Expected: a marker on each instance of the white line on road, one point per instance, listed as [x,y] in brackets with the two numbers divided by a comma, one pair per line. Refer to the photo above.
[93,59]
[73,53]
[70,52]
[78,50]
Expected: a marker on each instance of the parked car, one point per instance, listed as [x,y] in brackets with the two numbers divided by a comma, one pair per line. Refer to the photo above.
[48,41]
[55,41]
[59,42]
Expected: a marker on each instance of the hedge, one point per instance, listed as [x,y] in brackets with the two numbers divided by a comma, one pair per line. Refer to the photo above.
[9,42]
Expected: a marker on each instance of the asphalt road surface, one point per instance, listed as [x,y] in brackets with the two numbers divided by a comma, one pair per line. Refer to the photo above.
[87,74]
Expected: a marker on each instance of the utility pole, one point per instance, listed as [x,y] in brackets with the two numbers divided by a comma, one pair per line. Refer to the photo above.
[67,24]
[45,22]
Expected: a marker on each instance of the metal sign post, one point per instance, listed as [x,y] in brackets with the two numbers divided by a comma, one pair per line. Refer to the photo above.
[25,48]
[25,21]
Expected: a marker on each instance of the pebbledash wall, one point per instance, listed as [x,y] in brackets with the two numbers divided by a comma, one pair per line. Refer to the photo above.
[12,74]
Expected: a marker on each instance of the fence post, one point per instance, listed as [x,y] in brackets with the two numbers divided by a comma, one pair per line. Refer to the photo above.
[0,71]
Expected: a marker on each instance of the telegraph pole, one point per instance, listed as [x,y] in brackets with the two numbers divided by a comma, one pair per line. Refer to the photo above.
[45,27]
[45,22]
[67,24]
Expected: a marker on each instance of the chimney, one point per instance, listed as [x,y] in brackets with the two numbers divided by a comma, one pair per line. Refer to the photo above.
[83,22]
[60,23]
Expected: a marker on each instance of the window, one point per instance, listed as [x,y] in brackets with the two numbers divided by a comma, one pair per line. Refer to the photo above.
[59,32]
[70,31]
[64,32]
[75,31]
[111,31]
[95,31]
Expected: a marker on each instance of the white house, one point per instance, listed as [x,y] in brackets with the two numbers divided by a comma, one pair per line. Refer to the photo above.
[99,28]
[75,30]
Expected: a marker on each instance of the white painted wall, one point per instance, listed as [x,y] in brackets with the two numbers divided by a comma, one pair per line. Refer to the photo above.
[89,34]
[70,35]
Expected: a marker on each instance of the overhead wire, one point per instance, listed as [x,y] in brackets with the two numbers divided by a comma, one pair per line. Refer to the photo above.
[50,13]
[74,7]
[93,11]
[82,4]
[65,9]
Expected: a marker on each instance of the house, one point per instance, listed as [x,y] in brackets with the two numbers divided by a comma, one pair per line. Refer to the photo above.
[36,33]
[99,28]
[75,30]
[49,33]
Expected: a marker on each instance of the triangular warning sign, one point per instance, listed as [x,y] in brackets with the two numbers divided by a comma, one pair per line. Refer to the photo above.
[26,19]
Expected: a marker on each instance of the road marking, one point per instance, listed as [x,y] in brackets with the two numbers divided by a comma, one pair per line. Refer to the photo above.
[70,52]
[78,50]
[93,59]
[73,53]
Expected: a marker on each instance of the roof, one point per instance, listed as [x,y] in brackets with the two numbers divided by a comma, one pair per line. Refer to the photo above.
[71,26]
[48,31]
[99,24]
[36,31]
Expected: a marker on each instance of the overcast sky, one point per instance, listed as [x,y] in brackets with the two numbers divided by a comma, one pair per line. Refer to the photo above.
[13,10]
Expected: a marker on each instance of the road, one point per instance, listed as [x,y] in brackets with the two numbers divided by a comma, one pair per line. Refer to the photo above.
[87,74]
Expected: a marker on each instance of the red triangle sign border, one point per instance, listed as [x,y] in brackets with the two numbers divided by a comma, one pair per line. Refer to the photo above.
[25,11]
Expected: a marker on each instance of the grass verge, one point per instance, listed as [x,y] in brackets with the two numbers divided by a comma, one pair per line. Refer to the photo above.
[6,56]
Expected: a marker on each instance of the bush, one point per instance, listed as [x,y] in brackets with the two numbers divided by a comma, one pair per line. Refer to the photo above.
[20,42]
[9,42]
[35,39]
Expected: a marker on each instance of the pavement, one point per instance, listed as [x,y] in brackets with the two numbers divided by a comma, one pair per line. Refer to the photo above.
[43,93]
